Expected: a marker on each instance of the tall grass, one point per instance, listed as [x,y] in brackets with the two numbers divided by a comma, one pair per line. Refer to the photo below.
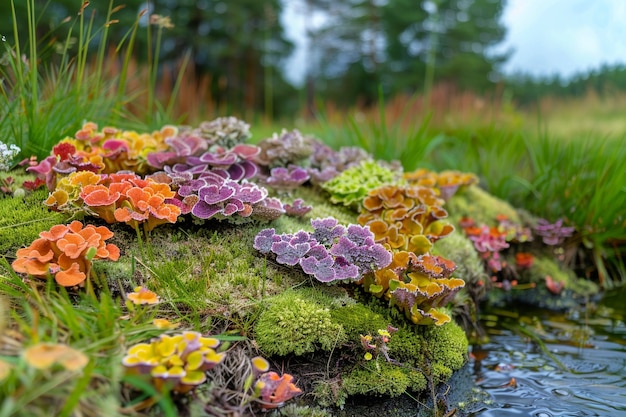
[90,324]
[42,101]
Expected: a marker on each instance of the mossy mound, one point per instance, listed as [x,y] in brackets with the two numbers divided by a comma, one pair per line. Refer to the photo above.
[318,319]
[378,377]
[294,324]
[479,205]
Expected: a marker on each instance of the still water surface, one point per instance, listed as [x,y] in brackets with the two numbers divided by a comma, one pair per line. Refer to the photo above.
[541,363]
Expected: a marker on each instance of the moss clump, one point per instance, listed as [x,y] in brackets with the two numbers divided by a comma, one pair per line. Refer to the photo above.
[378,377]
[479,205]
[352,185]
[22,219]
[295,410]
[446,349]
[358,320]
[329,296]
[295,324]
[405,346]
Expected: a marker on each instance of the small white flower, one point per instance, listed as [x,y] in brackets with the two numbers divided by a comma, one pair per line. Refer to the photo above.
[7,153]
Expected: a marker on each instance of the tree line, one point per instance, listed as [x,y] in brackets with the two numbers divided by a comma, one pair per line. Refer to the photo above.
[354,48]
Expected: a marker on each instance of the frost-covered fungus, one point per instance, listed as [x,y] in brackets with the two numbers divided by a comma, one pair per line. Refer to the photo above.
[297,208]
[286,179]
[327,231]
[331,253]
[284,149]
[225,197]
[66,252]
[226,132]
[180,361]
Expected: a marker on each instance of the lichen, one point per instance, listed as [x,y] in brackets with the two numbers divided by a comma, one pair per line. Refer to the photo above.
[352,185]
[294,324]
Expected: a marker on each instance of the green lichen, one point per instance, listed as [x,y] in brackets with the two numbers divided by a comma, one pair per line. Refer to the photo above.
[295,324]
[352,185]
[479,205]
[378,377]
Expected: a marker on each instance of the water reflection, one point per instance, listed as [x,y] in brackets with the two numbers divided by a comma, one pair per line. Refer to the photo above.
[541,363]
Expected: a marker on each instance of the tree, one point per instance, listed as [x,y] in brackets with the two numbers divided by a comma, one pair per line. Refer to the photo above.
[455,37]
[348,49]
[241,44]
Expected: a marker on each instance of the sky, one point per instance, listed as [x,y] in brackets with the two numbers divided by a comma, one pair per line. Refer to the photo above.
[564,36]
[547,37]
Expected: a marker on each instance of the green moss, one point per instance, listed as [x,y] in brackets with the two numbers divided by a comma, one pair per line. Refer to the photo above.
[482,207]
[294,324]
[378,377]
[405,346]
[358,320]
[446,348]
[330,296]
[352,185]
[295,410]
[329,393]
[22,219]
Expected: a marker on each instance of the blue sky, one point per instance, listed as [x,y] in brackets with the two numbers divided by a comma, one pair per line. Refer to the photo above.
[547,36]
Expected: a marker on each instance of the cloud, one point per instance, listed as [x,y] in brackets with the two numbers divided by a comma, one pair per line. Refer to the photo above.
[564,36]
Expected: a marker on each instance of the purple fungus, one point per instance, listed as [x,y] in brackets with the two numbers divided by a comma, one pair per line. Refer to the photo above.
[287,179]
[291,249]
[213,194]
[246,152]
[553,233]
[218,159]
[264,240]
[203,210]
[297,208]
[327,230]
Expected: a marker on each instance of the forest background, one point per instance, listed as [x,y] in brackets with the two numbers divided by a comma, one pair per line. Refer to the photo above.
[359,53]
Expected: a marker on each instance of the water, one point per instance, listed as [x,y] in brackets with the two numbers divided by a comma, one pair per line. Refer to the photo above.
[543,364]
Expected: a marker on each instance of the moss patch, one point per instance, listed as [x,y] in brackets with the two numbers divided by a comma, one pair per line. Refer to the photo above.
[294,324]
[22,219]
[482,207]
